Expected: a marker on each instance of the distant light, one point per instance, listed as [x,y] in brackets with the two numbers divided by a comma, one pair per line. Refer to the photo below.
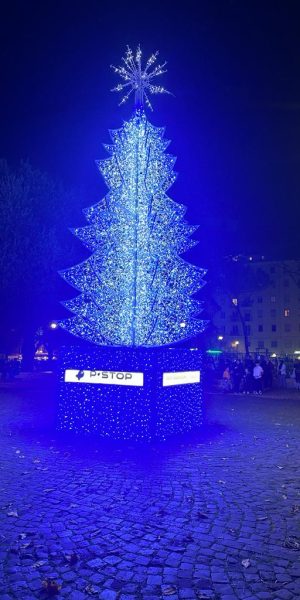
[183,324]
[53,325]
[214,352]
[235,343]
[220,337]
[250,257]
[297,352]
[234,301]
[273,355]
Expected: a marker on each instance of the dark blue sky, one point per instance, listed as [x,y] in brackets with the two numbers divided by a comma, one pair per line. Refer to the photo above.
[234,122]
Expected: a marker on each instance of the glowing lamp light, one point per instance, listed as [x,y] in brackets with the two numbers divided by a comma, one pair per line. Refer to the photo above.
[53,325]
[235,344]
[297,352]
[183,324]
[273,355]
[220,338]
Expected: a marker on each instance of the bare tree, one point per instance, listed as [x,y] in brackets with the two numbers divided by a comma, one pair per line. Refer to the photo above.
[34,211]
[238,280]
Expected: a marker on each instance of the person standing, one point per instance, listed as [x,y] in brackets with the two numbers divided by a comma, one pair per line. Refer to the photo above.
[226,380]
[268,374]
[282,375]
[297,375]
[257,377]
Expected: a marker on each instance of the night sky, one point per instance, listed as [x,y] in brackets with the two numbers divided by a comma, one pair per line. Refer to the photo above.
[234,120]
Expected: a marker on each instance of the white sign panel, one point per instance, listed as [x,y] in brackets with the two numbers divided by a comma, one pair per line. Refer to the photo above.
[104,377]
[180,377]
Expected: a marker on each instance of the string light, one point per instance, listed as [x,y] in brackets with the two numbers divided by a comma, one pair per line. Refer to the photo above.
[138,80]
[136,289]
[140,413]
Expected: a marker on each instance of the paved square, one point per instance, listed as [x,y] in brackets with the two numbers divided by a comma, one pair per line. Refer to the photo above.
[215,515]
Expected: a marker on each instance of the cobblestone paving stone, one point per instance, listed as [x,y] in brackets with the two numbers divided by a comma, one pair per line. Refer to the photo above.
[212,516]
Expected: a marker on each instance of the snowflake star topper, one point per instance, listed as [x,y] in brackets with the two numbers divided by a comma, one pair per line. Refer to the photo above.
[138,80]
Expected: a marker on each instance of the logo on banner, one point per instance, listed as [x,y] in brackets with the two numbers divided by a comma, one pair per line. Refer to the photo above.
[104,377]
[181,377]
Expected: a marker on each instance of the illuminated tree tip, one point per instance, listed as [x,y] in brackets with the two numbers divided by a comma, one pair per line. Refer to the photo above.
[138,79]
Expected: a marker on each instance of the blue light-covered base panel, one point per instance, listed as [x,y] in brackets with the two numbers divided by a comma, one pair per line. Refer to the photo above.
[118,393]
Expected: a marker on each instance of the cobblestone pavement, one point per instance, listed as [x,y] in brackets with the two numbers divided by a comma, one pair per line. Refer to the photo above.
[215,515]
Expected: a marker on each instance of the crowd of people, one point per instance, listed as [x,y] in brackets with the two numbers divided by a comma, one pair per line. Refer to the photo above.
[254,375]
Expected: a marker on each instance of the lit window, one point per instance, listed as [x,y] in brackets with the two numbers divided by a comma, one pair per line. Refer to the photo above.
[273,298]
[286,312]
[235,301]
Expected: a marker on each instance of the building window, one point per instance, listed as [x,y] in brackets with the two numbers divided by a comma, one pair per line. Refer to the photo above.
[287,312]
[248,329]
[234,301]
[259,299]
[287,327]
[234,330]
[274,328]
[260,328]
[273,312]
[274,344]
[273,298]
[247,317]
[261,344]
[286,299]
[260,314]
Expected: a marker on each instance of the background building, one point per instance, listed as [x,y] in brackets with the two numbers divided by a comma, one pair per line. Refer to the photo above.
[257,304]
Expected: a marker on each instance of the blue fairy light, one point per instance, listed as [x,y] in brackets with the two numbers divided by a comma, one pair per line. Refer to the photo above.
[136,289]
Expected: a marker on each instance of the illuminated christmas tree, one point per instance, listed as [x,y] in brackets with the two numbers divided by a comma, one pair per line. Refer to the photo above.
[136,289]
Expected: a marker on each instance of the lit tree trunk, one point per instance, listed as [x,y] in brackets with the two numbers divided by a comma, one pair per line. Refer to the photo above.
[244,327]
